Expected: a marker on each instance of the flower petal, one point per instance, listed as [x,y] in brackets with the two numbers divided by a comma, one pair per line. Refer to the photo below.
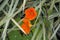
[27,22]
[26,28]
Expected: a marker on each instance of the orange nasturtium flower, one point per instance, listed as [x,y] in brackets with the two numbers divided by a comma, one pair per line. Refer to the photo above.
[30,13]
[26,28]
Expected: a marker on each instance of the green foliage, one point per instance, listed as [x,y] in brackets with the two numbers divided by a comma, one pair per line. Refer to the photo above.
[44,27]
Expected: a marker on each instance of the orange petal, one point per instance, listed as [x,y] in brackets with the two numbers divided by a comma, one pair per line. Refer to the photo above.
[26,28]
[27,22]
[30,13]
